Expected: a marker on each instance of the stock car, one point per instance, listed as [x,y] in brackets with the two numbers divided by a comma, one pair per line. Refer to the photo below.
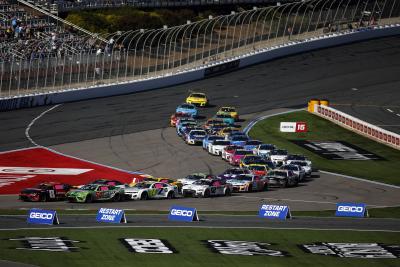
[282,178]
[187,109]
[191,178]
[175,117]
[180,128]
[238,155]
[248,183]
[151,190]
[251,159]
[195,137]
[291,158]
[207,188]
[258,169]
[239,139]
[296,169]
[306,167]
[278,156]
[209,138]
[47,191]
[251,144]
[228,151]
[199,99]
[264,149]
[225,132]
[216,147]
[231,111]
[225,118]
[96,192]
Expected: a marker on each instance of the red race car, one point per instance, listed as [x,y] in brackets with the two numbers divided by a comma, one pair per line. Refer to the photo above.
[45,192]
[175,117]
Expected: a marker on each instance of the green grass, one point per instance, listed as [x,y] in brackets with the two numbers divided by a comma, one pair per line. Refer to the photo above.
[391,212]
[386,171]
[101,247]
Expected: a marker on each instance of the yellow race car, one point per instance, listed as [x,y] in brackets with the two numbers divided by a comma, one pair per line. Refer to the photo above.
[231,111]
[227,131]
[198,99]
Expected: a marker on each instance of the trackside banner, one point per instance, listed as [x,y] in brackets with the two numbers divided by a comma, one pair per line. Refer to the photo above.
[274,212]
[38,216]
[183,214]
[111,216]
[345,209]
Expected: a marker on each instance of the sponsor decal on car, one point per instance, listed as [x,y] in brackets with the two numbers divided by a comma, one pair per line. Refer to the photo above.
[345,209]
[154,246]
[354,250]
[274,212]
[38,216]
[185,214]
[337,150]
[111,215]
[245,248]
[56,244]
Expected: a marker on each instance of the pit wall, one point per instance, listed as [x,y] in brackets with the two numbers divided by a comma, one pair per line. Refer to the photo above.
[210,69]
[358,126]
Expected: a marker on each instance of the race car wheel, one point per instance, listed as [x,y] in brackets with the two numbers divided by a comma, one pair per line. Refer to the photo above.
[43,198]
[207,193]
[88,199]
[228,192]
[117,198]
[265,188]
[144,196]
[284,184]
[171,195]
[250,189]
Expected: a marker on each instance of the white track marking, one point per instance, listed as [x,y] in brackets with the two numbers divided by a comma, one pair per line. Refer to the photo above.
[354,89]
[398,114]
[201,227]
[388,109]
[33,122]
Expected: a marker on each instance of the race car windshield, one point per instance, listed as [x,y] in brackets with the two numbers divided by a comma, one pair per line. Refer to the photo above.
[202,182]
[221,143]
[223,116]
[194,177]
[212,138]
[239,138]
[252,159]
[90,187]
[198,95]
[244,178]
[242,152]
[142,185]
[202,133]
[257,168]
[279,152]
[301,163]
[228,109]
[187,106]
[297,157]
[277,173]
[291,168]
[267,147]
[253,143]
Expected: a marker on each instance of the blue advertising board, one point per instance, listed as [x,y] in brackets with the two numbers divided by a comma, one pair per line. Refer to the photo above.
[183,214]
[39,216]
[111,215]
[347,209]
[274,212]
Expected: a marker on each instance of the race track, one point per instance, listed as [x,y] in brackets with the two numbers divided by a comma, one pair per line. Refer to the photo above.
[131,132]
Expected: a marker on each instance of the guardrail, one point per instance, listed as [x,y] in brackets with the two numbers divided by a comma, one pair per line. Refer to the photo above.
[358,126]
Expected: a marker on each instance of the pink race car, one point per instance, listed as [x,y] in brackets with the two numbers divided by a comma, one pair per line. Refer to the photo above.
[238,155]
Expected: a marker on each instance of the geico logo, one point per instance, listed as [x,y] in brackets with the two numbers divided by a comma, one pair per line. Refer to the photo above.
[40,215]
[187,213]
[350,209]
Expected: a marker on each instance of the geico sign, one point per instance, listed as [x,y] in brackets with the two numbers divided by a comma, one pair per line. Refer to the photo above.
[351,209]
[186,213]
[41,215]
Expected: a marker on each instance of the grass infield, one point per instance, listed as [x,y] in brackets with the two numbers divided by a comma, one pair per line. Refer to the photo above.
[102,247]
[386,170]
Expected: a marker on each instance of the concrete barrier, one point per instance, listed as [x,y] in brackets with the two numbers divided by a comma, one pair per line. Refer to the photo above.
[256,57]
[358,126]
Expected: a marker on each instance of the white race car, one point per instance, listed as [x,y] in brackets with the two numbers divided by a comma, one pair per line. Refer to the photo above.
[278,156]
[296,169]
[207,188]
[151,190]
[216,147]
[306,166]
[263,149]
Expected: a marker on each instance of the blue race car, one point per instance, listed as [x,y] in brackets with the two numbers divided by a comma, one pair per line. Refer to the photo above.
[251,144]
[209,138]
[239,140]
[187,109]
[225,118]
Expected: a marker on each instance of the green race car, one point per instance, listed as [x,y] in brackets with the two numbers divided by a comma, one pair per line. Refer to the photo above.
[96,192]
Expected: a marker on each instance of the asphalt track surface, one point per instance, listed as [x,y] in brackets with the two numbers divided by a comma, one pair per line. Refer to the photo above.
[131,132]
[212,221]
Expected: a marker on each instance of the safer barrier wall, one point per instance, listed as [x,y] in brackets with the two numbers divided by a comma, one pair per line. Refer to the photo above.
[197,73]
[358,126]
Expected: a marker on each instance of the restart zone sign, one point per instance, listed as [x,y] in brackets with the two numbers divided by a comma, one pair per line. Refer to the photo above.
[38,216]
[351,210]
[111,216]
[274,212]
[183,214]
[337,150]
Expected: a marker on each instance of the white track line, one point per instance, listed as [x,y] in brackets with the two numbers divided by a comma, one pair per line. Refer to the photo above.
[388,109]
[33,122]
[201,227]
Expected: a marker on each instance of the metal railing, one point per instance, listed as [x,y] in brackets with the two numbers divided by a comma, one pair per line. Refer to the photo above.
[148,53]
